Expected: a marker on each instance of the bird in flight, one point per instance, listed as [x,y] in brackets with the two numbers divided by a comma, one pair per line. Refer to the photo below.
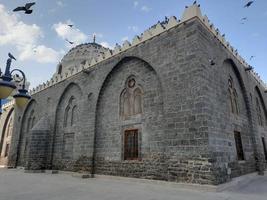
[25,8]
[69,41]
[251,57]
[11,56]
[70,25]
[195,2]
[248,4]
[243,20]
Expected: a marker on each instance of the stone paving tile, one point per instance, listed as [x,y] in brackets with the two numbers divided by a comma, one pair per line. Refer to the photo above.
[16,185]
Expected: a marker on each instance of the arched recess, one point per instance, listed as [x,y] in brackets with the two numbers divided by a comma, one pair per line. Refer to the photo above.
[262,104]
[66,125]
[109,109]
[7,133]
[243,130]
[241,84]
[28,120]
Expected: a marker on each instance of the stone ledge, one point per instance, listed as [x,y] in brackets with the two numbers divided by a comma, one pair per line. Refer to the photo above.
[51,171]
[34,171]
[77,174]
[240,181]
[160,182]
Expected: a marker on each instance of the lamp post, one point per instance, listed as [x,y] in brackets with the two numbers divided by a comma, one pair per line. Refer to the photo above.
[7,86]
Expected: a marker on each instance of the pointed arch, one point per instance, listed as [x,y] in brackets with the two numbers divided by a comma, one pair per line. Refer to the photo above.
[242,87]
[262,104]
[66,109]
[123,100]
[26,125]
[6,129]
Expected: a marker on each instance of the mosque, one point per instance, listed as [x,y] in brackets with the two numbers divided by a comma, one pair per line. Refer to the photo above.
[178,103]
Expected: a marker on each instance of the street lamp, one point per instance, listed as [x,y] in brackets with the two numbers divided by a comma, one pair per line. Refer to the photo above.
[7,87]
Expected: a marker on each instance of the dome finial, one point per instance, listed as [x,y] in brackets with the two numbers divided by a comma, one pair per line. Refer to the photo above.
[94,37]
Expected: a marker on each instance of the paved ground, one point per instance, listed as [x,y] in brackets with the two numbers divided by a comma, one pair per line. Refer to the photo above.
[16,185]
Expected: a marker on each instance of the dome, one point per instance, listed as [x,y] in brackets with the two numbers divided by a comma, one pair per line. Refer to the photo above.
[79,55]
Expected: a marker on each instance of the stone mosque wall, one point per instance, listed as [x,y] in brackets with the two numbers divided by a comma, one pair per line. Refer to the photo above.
[156,109]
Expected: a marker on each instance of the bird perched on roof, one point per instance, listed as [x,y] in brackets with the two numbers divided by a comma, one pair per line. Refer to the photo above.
[69,41]
[249,68]
[25,8]
[11,56]
[248,4]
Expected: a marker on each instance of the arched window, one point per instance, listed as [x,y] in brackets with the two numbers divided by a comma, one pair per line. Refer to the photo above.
[231,100]
[131,99]
[9,127]
[137,101]
[236,109]
[71,113]
[33,122]
[126,105]
[233,97]
[74,115]
[258,110]
[66,116]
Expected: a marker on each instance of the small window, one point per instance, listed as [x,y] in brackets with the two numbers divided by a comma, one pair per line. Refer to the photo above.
[131,145]
[239,147]
[264,147]
[7,150]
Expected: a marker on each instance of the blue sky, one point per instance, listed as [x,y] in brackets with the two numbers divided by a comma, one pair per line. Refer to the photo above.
[38,40]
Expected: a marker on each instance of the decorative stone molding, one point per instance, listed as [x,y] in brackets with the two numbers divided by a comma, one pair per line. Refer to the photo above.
[136,40]
[126,45]
[117,49]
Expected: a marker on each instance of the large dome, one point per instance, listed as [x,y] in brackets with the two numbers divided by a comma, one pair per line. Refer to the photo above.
[79,55]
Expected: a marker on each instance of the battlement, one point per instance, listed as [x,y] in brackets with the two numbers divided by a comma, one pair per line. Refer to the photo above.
[155,30]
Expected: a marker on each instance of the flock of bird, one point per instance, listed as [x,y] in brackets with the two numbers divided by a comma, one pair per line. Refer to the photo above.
[27,10]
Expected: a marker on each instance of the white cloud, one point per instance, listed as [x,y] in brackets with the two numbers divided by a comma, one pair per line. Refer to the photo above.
[145,8]
[133,28]
[107,45]
[136,3]
[125,38]
[40,53]
[23,37]
[72,34]
[60,3]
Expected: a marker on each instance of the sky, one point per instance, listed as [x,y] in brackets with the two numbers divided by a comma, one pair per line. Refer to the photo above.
[38,41]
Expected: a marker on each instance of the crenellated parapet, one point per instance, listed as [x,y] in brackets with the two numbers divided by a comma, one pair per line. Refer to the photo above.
[155,30]
[8,104]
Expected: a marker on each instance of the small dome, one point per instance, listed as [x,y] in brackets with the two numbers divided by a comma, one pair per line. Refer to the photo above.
[79,55]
